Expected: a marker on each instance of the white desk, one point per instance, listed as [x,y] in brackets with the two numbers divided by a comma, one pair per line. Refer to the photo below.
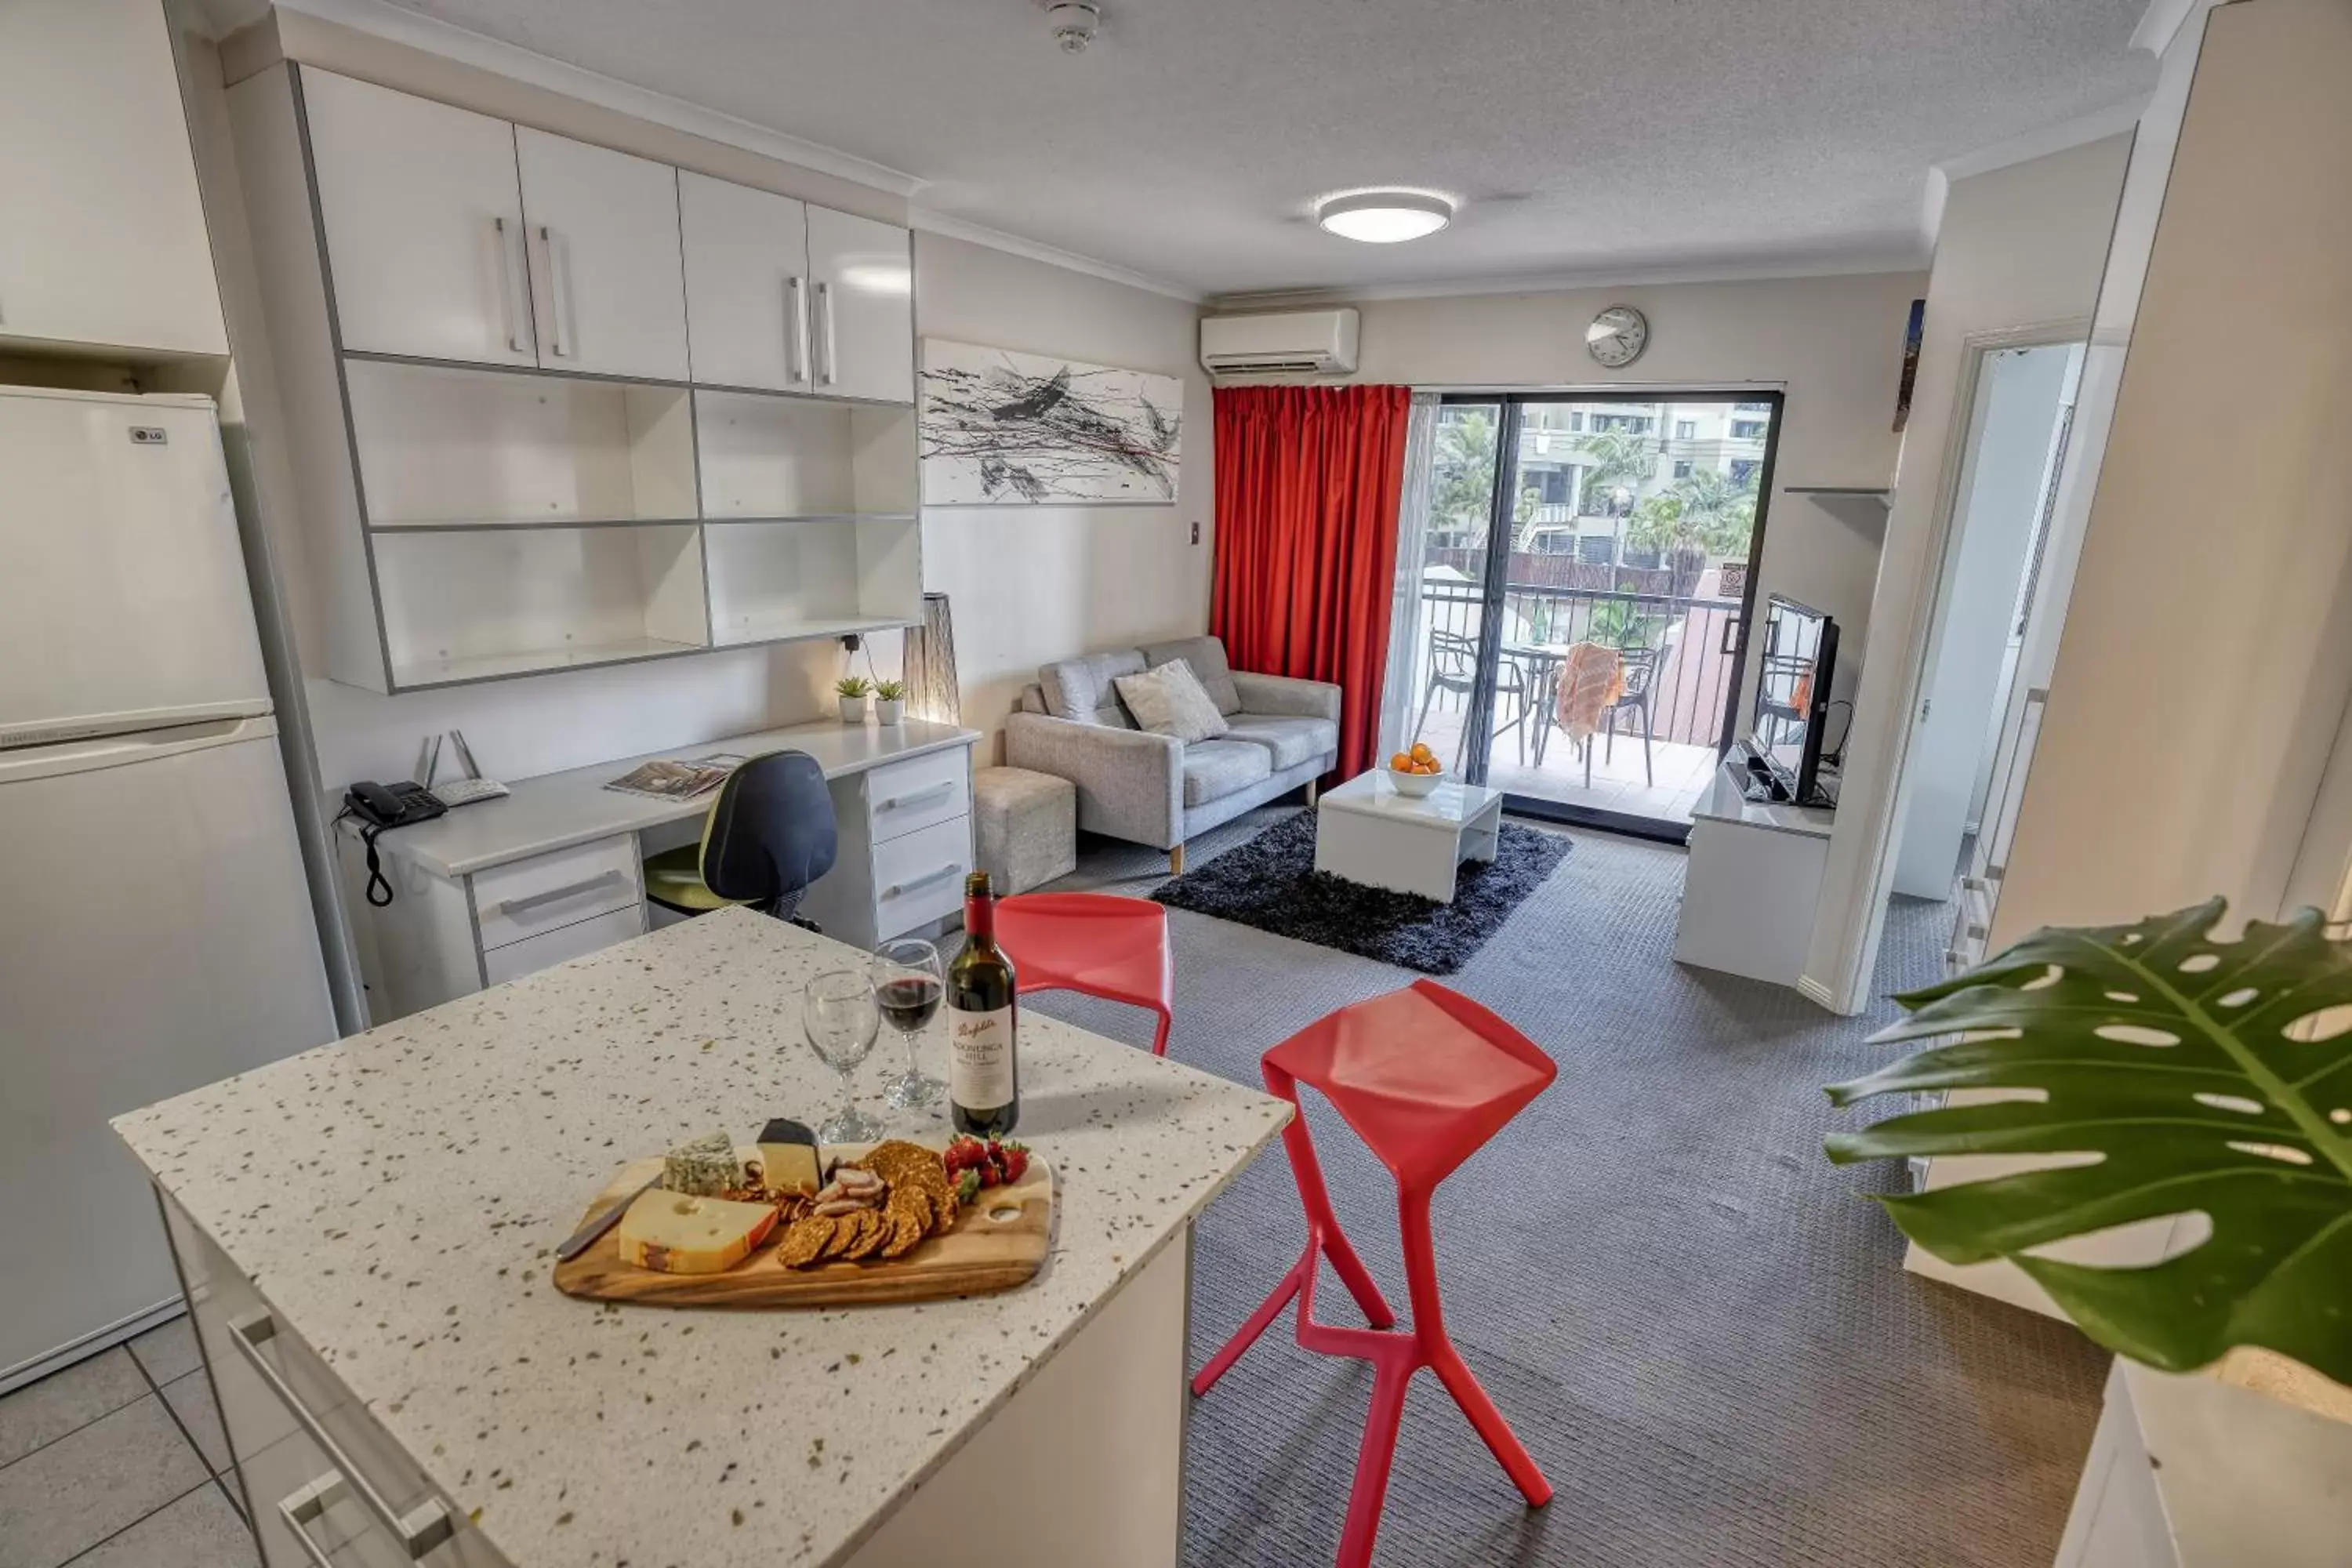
[1755,875]
[502,888]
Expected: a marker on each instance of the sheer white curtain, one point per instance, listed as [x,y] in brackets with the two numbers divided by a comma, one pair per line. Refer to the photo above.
[1398,692]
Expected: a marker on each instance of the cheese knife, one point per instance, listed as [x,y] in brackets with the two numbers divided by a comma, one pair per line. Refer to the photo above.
[597,1223]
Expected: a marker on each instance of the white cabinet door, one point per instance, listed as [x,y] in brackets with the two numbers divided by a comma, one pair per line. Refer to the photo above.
[747,284]
[101,229]
[863,297]
[423,224]
[606,276]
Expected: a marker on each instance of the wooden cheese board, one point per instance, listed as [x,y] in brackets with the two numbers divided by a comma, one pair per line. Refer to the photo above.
[999,1241]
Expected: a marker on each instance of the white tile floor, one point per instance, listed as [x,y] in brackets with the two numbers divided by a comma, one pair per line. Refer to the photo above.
[116,1462]
[1678,775]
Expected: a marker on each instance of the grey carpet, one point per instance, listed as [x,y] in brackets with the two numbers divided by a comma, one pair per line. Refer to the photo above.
[1698,1326]
[1269,881]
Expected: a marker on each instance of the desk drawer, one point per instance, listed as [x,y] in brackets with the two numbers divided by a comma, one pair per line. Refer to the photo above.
[907,797]
[549,948]
[919,876]
[561,887]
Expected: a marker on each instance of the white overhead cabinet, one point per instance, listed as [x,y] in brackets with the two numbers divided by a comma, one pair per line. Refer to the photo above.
[547,492]
[605,283]
[423,224]
[786,297]
[103,239]
[747,284]
[861,292]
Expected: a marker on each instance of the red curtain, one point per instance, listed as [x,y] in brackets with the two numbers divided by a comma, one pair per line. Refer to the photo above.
[1307,484]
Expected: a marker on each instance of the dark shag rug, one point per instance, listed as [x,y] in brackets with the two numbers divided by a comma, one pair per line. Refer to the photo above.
[1271,883]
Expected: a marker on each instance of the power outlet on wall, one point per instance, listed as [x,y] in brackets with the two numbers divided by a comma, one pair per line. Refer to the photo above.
[1196,531]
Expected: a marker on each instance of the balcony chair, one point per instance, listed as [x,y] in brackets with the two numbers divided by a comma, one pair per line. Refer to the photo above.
[1453,667]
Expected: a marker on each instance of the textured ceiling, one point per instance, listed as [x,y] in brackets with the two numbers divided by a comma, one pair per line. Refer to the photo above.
[1584,135]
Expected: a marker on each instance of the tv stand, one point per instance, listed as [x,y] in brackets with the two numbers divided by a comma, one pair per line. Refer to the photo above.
[1754,878]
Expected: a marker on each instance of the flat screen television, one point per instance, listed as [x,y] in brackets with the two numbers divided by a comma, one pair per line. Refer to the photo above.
[1792,699]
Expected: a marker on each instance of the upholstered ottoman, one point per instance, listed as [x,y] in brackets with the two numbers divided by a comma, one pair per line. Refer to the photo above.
[1028,826]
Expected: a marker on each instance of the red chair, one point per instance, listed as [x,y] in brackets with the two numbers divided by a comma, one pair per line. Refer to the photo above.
[1424,1075]
[1092,942]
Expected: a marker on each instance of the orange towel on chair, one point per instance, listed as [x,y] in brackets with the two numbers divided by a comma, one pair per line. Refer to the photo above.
[1590,680]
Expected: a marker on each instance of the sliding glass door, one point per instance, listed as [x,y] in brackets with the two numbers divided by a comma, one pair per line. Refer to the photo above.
[1587,575]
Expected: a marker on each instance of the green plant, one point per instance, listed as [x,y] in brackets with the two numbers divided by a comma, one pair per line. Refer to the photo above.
[1703,512]
[890,691]
[2206,1076]
[852,686]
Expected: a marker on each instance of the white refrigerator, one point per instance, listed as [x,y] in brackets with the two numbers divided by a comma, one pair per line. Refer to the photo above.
[155,930]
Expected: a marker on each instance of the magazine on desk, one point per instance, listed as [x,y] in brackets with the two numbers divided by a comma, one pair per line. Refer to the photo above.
[677,780]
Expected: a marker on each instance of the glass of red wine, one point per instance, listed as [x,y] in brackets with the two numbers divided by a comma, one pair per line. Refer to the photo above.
[907,986]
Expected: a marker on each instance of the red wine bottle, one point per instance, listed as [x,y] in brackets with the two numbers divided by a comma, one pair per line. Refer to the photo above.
[983,1064]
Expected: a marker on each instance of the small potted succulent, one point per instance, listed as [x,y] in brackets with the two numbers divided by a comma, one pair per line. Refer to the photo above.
[889,701]
[852,690]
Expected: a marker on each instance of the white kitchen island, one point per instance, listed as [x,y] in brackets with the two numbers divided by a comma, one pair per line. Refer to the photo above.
[365,1232]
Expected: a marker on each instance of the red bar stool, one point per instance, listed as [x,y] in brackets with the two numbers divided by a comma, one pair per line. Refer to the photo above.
[1424,1075]
[1092,942]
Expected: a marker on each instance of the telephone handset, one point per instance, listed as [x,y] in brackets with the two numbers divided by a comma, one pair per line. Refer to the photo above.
[382,807]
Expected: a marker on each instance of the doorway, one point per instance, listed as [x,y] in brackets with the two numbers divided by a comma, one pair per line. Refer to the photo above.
[1585,578]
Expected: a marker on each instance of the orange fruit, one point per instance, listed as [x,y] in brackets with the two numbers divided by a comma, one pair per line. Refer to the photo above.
[1422,753]
[1400,763]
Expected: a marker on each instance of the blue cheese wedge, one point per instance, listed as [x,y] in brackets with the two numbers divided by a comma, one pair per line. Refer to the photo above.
[704,1167]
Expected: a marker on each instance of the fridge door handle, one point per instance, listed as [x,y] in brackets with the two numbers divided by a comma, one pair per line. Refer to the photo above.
[114,751]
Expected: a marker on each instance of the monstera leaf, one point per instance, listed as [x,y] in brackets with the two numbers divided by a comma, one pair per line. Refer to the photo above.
[2205,1076]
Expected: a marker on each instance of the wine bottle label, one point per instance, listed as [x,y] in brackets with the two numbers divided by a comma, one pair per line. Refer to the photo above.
[980,1069]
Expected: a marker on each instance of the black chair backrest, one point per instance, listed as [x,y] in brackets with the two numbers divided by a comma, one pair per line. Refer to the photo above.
[771,832]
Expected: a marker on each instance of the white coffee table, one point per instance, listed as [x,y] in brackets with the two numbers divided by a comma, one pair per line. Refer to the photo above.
[1367,832]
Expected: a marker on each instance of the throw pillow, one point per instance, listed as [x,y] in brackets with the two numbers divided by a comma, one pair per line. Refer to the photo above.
[1171,700]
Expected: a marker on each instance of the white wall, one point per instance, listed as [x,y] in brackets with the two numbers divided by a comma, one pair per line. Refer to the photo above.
[2019,246]
[2008,470]
[1030,585]
[1835,345]
[2217,648]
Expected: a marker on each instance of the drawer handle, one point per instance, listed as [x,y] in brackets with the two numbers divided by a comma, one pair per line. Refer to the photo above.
[925,881]
[421,1531]
[311,1502]
[515,909]
[898,802]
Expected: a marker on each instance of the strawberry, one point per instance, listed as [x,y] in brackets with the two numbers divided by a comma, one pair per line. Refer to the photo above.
[968,1187]
[1016,1160]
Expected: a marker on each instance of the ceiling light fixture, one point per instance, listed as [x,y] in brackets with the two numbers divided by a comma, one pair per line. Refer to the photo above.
[1383,217]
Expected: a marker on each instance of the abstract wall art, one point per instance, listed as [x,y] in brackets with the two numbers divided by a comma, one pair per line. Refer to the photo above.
[1000,429]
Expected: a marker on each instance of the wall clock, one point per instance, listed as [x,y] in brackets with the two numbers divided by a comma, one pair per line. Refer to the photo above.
[1617,336]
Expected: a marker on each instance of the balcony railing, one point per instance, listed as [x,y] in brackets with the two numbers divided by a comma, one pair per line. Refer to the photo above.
[1695,674]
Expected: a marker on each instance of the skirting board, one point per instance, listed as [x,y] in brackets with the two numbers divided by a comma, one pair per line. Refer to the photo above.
[90,1344]
[2000,1280]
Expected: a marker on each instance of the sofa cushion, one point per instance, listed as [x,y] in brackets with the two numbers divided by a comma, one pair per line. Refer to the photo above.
[1214,769]
[1291,741]
[1207,657]
[1167,699]
[1080,689]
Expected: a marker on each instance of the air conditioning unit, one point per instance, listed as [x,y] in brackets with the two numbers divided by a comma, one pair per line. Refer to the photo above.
[1314,342]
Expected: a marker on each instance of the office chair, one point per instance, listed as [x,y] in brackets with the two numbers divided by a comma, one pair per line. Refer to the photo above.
[768,835]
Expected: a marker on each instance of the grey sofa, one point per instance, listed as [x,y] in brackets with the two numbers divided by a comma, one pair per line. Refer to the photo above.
[1154,789]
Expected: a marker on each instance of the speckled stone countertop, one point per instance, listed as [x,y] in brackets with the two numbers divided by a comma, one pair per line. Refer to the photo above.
[397,1197]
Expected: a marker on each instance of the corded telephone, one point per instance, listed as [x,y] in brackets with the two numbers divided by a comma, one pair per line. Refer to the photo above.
[382,807]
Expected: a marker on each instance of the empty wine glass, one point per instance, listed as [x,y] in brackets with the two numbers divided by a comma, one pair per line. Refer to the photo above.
[839,1014]
[907,986]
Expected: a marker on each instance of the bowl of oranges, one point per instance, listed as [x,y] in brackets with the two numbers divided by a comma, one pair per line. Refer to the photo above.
[1416,773]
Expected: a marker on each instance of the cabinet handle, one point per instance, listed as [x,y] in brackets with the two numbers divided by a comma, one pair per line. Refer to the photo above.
[926,880]
[311,1502]
[422,1531]
[797,344]
[897,802]
[825,338]
[509,317]
[516,907]
[559,294]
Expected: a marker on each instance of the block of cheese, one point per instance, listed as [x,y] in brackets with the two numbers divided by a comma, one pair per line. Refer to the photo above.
[704,1167]
[677,1233]
[788,1156]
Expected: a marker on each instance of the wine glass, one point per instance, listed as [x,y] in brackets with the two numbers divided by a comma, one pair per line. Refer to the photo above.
[838,1012]
[907,986]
